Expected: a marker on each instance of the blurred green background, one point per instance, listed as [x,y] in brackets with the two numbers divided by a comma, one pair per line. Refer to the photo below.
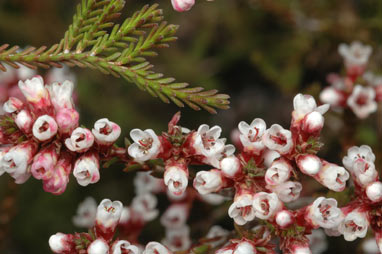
[260,52]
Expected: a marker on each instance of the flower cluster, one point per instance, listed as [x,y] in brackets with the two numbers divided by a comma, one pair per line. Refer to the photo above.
[40,136]
[104,221]
[348,91]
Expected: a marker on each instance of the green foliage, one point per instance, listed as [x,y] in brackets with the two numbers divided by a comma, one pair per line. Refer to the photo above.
[93,40]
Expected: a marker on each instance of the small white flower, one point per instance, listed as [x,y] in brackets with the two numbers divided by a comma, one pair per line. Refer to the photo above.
[178,238]
[86,169]
[309,164]
[278,173]
[325,213]
[156,248]
[123,246]
[207,182]
[182,5]
[313,122]
[332,96]
[98,246]
[250,135]
[60,243]
[144,182]
[108,214]
[304,104]
[145,205]
[86,213]
[215,232]
[146,145]
[242,209]
[288,191]
[230,166]
[80,140]
[216,159]
[356,153]
[106,132]
[355,54]
[362,102]
[12,105]
[44,128]
[266,205]
[284,218]
[333,177]
[245,247]
[61,94]
[278,139]
[175,216]
[33,89]
[207,142]
[354,225]
[176,179]
[374,192]
[317,241]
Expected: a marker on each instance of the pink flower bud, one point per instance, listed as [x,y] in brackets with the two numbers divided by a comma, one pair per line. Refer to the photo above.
[230,167]
[80,140]
[44,128]
[44,163]
[13,105]
[98,246]
[156,248]
[278,173]
[24,121]
[278,139]
[266,205]
[122,247]
[175,216]
[60,179]
[207,182]
[146,145]
[67,120]
[284,218]
[86,169]
[61,95]
[182,5]
[106,132]
[176,178]
[61,243]
[374,192]
[313,122]
[309,164]
[107,218]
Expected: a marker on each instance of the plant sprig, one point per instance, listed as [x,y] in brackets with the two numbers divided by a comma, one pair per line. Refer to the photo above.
[94,41]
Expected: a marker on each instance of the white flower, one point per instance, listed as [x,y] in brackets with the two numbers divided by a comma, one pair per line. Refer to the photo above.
[362,102]
[355,54]
[86,213]
[144,182]
[207,142]
[44,128]
[354,225]
[86,169]
[215,232]
[156,248]
[325,213]
[216,159]
[309,164]
[269,156]
[146,145]
[207,182]
[60,243]
[145,205]
[98,246]
[176,179]
[178,238]
[80,140]
[278,173]
[33,89]
[374,192]
[106,132]
[284,218]
[266,205]
[123,246]
[108,214]
[245,247]
[175,216]
[61,94]
[332,96]
[287,191]
[182,5]
[356,153]
[230,166]
[24,121]
[242,209]
[304,104]
[333,177]
[317,241]
[250,135]
[278,139]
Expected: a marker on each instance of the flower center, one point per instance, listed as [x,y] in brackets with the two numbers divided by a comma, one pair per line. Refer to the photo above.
[208,142]
[106,130]
[279,139]
[253,135]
